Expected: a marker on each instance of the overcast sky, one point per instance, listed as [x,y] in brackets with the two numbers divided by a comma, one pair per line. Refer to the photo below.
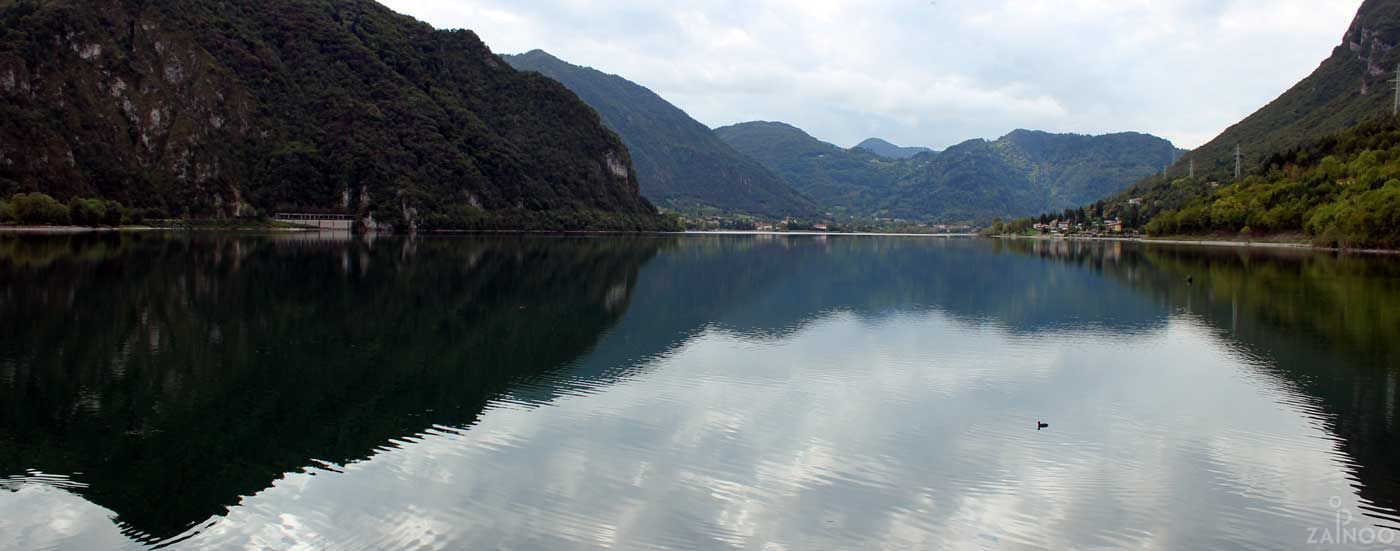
[932,72]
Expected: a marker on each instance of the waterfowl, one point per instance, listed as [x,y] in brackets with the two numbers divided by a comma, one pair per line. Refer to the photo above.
[1041,425]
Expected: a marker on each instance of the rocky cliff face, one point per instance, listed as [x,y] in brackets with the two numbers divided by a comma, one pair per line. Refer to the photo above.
[219,108]
[118,98]
[1370,48]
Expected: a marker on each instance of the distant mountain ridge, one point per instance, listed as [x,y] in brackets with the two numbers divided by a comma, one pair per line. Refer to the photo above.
[1025,172]
[886,149]
[680,162]
[211,108]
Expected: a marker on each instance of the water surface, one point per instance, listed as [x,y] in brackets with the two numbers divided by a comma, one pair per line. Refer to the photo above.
[710,392]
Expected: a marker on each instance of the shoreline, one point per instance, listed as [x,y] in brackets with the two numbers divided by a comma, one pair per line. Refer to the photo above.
[1182,241]
[75,230]
[69,230]
[810,233]
[1286,245]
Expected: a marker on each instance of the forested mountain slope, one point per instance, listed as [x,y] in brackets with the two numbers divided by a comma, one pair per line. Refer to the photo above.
[1349,87]
[216,108]
[847,181]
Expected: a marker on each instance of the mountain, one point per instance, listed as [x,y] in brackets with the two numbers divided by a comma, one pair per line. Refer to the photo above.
[1349,87]
[851,181]
[1343,111]
[891,151]
[681,163]
[1028,172]
[213,108]
[1022,173]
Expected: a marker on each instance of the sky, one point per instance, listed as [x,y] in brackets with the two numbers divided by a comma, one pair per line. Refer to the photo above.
[932,72]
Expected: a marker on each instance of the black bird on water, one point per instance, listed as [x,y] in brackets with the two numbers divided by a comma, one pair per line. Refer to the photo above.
[1041,425]
[1190,279]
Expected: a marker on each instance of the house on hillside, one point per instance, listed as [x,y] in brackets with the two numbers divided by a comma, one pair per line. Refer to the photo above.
[1115,226]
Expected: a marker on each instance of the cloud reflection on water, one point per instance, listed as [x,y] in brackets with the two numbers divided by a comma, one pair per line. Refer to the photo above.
[761,393]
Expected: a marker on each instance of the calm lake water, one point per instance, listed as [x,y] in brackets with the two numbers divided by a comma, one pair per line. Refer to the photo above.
[693,392]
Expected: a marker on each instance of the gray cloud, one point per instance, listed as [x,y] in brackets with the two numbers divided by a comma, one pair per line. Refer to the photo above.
[932,72]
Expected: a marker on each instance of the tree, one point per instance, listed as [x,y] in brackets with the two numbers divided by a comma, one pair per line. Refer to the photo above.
[87,212]
[115,213]
[38,209]
[1132,218]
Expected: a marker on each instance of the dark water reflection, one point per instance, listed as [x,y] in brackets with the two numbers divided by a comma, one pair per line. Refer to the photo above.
[691,392]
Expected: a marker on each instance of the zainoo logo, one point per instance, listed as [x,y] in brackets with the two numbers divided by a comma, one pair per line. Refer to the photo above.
[1342,531]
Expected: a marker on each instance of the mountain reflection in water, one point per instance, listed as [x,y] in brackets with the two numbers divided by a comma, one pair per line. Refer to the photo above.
[697,391]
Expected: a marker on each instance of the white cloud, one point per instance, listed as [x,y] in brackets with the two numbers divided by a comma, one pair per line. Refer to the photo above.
[932,72]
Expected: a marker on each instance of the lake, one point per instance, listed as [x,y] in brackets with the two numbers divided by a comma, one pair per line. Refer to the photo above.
[693,392]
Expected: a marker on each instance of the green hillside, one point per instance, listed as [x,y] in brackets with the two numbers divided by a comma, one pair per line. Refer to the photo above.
[1317,160]
[680,162]
[1349,87]
[209,108]
[1343,190]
